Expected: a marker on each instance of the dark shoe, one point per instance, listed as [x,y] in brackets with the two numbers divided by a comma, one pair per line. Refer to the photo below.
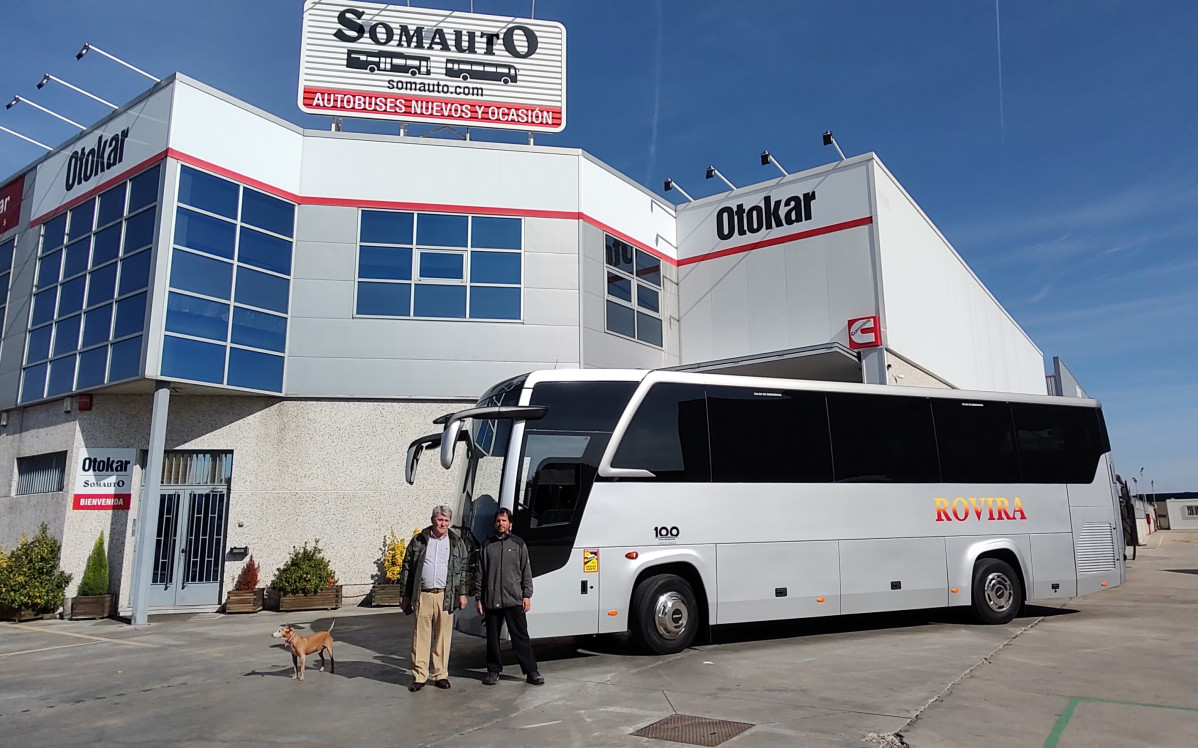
[441,683]
[491,679]
[535,678]
[416,686]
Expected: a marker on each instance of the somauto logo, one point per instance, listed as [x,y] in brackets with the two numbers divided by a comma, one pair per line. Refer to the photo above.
[961,509]
[464,41]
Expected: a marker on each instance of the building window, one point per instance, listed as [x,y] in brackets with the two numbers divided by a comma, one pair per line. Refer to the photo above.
[41,473]
[439,266]
[633,292]
[230,284]
[6,252]
[1192,510]
[88,314]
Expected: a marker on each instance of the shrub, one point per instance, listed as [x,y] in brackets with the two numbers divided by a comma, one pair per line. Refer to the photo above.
[393,553]
[306,572]
[247,580]
[30,576]
[95,574]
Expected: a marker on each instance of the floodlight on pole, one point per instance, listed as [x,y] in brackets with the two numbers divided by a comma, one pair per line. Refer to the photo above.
[672,185]
[829,140]
[714,172]
[22,137]
[767,158]
[89,47]
[47,78]
[16,99]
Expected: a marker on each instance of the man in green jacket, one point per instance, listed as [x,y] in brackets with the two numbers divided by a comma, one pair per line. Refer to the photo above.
[434,579]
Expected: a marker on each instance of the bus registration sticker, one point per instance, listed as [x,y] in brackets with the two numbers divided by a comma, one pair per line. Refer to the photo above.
[590,560]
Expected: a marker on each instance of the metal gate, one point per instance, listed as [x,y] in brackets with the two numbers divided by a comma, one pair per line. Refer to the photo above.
[189,543]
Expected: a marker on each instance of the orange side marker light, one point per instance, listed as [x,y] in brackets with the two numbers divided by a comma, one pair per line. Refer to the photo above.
[956,590]
[819,599]
[613,612]
[632,555]
[1104,584]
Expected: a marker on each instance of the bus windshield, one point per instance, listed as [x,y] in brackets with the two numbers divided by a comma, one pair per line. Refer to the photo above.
[486,451]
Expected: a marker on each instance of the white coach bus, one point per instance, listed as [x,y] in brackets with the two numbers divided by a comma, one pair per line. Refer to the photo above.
[662,502]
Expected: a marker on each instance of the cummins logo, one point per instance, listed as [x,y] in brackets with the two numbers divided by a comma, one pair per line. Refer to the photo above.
[768,214]
[518,40]
[86,162]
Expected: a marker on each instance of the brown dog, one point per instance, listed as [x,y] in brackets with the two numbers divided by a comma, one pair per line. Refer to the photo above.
[302,646]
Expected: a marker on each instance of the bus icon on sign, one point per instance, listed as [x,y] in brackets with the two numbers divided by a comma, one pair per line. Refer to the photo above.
[864,333]
[387,62]
[483,71]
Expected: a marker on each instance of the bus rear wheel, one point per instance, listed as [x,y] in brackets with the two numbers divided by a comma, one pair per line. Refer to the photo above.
[997,592]
[665,614]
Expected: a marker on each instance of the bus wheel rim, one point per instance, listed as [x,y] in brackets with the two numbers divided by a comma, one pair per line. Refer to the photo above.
[999,593]
[670,615]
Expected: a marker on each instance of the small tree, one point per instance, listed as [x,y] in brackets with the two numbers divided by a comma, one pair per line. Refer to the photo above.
[305,572]
[247,580]
[95,574]
[30,576]
[393,553]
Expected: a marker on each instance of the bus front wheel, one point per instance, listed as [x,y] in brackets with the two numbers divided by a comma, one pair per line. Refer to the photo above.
[997,591]
[666,616]
[465,76]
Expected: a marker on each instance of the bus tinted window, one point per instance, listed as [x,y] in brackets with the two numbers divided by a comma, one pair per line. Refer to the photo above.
[883,439]
[768,436]
[668,435]
[1057,444]
[581,406]
[976,441]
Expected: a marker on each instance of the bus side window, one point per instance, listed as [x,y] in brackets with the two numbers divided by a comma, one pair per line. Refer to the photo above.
[553,494]
[668,435]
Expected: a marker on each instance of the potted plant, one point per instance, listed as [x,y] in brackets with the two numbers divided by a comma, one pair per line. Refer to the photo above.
[386,591]
[93,600]
[246,595]
[305,581]
[31,583]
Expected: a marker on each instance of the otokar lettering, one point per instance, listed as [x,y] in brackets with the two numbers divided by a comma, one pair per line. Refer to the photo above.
[517,40]
[105,465]
[769,214]
[86,162]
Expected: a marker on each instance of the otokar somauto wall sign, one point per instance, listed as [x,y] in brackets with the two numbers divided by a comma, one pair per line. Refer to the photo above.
[437,66]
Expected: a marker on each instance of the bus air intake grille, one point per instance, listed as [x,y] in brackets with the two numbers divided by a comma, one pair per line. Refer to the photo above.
[684,728]
[1095,548]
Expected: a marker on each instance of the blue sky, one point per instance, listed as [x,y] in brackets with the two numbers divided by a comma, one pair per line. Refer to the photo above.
[1051,143]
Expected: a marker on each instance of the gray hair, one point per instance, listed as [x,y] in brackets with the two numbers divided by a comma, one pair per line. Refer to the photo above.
[442,510]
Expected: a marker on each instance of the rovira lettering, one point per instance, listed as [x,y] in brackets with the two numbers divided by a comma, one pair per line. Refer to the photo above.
[962,509]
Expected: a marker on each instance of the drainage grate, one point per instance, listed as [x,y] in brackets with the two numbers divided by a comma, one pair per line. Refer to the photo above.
[684,728]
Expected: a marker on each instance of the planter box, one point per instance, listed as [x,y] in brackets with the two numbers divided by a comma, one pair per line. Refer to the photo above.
[91,606]
[382,595]
[22,614]
[329,599]
[244,601]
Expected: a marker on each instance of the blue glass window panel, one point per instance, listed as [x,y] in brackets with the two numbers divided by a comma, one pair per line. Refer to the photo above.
[259,330]
[192,359]
[130,316]
[648,268]
[648,298]
[439,301]
[619,286]
[112,205]
[489,302]
[70,296]
[107,245]
[139,231]
[93,366]
[442,265]
[205,233]
[66,335]
[621,319]
[494,267]
[439,230]
[55,232]
[48,268]
[192,272]
[125,360]
[255,371]
[135,273]
[385,299]
[385,263]
[648,329]
[62,376]
[34,386]
[495,233]
[143,189]
[6,256]
[264,251]
[101,285]
[43,306]
[97,326]
[76,257]
[190,315]
[207,192]
[266,212]
[260,289]
[39,344]
[82,219]
[386,227]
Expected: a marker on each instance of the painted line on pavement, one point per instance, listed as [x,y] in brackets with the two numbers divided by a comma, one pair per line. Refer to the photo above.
[83,636]
[1054,737]
[47,649]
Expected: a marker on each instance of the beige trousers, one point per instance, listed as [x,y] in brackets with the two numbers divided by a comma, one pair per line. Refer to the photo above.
[431,631]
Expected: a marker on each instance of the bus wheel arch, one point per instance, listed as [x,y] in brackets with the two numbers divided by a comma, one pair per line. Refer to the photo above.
[997,592]
[506,80]
[465,76]
[371,69]
[668,607]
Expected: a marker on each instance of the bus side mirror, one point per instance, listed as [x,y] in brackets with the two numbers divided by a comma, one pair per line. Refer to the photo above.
[449,440]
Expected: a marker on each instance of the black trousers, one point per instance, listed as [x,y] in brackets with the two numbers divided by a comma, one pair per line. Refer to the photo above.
[517,626]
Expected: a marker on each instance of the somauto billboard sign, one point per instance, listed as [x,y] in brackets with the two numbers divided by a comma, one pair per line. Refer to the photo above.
[104,479]
[445,67]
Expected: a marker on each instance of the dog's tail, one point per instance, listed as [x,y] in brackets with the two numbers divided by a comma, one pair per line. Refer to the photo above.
[331,625]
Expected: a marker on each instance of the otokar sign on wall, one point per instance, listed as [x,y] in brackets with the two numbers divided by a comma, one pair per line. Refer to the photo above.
[104,479]
[419,65]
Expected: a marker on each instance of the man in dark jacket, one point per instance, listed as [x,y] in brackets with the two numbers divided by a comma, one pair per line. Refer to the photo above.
[503,591]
